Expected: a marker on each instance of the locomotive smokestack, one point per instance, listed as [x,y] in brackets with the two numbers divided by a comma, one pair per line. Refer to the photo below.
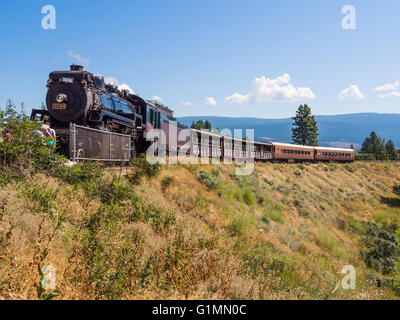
[75,67]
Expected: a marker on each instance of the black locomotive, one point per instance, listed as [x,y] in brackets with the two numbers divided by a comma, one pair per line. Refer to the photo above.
[79,97]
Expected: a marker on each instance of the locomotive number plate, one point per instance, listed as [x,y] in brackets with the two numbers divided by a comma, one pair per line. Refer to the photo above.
[59,106]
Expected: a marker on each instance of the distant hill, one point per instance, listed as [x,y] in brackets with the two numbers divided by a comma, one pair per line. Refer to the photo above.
[337,130]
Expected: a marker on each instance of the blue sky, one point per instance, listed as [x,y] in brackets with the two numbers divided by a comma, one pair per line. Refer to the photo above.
[255,58]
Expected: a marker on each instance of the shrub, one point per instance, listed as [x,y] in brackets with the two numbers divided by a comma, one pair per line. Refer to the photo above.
[247,197]
[142,168]
[24,153]
[80,174]
[396,189]
[382,247]
[208,179]
[297,173]
[166,182]
[238,225]
[349,168]
[114,191]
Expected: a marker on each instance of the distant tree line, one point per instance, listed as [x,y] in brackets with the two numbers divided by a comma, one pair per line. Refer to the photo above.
[201,125]
[378,149]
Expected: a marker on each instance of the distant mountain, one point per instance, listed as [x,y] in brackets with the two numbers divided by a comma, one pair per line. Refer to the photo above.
[337,130]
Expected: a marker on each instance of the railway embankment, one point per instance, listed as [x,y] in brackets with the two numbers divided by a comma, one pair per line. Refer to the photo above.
[200,231]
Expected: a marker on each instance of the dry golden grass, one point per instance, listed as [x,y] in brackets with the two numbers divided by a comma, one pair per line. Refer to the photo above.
[283,233]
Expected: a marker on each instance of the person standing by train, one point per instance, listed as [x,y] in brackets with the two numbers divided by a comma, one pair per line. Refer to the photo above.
[48,139]
[52,133]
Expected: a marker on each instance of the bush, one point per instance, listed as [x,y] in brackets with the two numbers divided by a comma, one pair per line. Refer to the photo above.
[23,152]
[114,191]
[208,179]
[382,247]
[247,197]
[142,168]
[80,174]
[238,225]
[166,182]
[396,189]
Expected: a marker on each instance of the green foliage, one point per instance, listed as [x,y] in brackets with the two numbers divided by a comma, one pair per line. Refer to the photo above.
[382,247]
[375,147]
[142,168]
[21,149]
[247,197]
[166,182]
[391,151]
[200,125]
[88,172]
[115,191]
[305,131]
[238,225]
[208,179]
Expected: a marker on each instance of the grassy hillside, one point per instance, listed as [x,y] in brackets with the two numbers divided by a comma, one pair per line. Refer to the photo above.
[196,232]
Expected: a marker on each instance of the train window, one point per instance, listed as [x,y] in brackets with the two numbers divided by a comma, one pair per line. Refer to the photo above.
[151,115]
[107,102]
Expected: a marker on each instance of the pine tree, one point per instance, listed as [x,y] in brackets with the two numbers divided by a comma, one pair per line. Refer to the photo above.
[352,147]
[391,150]
[375,146]
[305,131]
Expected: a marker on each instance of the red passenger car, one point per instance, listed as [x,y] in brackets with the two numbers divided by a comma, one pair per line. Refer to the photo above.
[292,152]
[334,154]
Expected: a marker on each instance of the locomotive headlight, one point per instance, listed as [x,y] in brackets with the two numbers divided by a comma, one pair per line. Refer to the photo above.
[61,98]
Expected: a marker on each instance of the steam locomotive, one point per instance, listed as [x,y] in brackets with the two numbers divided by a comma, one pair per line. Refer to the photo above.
[80,97]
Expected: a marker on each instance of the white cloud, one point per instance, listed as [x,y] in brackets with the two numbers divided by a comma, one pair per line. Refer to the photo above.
[78,58]
[187,103]
[391,94]
[157,98]
[238,98]
[114,82]
[388,87]
[275,90]
[211,101]
[111,80]
[351,93]
[124,86]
